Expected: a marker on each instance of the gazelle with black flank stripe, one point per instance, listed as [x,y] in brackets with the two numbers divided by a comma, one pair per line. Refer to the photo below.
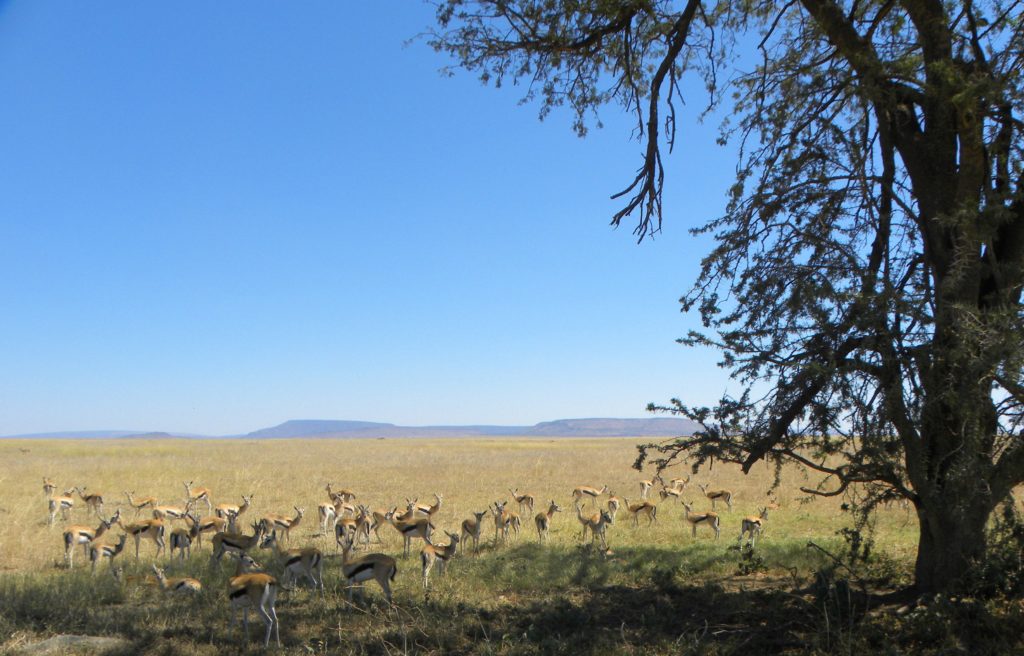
[307,562]
[230,511]
[504,519]
[93,500]
[752,524]
[202,525]
[696,519]
[525,500]
[543,521]
[138,503]
[614,504]
[276,522]
[236,543]
[99,550]
[166,513]
[258,591]
[675,493]
[376,566]
[471,528]
[642,508]
[193,495]
[433,553]
[716,495]
[344,494]
[83,535]
[152,529]
[412,529]
[181,540]
[596,523]
[61,504]
[180,586]
[582,491]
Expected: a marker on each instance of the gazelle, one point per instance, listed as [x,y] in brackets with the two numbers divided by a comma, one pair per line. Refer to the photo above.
[343,494]
[98,550]
[181,540]
[181,586]
[642,508]
[381,518]
[414,528]
[328,513]
[83,535]
[709,518]
[471,529]
[258,591]
[667,492]
[504,519]
[598,525]
[434,553]
[680,483]
[375,566]
[194,495]
[62,504]
[138,503]
[543,521]
[275,522]
[585,491]
[753,524]
[524,500]
[645,488]
[354,528]
[307,562]
[716,495]
[235,543]
[205,525]
[614,503]
[230,511]
[147,528]
[93,500]
[49,487]
[427,511]
[164,513]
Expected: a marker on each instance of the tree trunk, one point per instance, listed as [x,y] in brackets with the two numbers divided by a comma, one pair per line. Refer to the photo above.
[949,546]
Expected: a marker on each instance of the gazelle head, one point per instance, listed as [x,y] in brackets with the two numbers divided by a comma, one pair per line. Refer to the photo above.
[298,511]
[454,537]
[554,507]
[499,507]
[703,487]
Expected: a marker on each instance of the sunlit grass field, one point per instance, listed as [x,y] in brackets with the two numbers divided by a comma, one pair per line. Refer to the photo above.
[649,594]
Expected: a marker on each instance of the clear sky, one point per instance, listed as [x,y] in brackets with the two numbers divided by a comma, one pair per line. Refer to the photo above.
[215,217]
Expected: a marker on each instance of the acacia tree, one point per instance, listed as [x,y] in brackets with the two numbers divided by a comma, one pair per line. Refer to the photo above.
[870,259]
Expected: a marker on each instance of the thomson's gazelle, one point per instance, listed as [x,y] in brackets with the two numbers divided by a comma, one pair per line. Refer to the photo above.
[709,518]
[254,590]
[543,521]
[375,566]
[49,487]
[147,528]
[642,507]
[83,535]
[197,494]
[434,553]
[138,503]
[307,562]
[753,524]
[716,495]
[183,585]
[62,504]
[98,550]
[235,543]
[93,500]
[585,491]
[471,529]
[525,500]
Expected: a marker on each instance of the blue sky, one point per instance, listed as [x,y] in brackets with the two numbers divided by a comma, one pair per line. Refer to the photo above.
[215,217]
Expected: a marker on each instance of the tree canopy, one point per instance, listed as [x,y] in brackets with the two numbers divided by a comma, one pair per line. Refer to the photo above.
[869,261]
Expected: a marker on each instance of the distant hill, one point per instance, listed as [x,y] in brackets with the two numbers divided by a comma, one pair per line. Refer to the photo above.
[333,428]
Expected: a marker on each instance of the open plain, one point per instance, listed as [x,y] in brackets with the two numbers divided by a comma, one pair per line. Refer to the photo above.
[656,589]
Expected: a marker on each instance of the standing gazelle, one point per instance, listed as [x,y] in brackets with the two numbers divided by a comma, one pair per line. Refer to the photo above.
[49,487]
[715,495]
[753,524]
[642,508]
[375,566]
[84,535]
[231,511]
[307,562]
[99,550]
[471,529]
[93,500]
[147,528]
[434,553]
[62,504]
[543,521]
[195,495]
[585,491]
[138,503]
[258,591]
[525,500]
[709,518]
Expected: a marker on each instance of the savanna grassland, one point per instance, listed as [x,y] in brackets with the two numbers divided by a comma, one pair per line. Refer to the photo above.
[657,590]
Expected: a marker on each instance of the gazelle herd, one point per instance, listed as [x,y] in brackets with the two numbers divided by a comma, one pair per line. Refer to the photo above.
[354,526]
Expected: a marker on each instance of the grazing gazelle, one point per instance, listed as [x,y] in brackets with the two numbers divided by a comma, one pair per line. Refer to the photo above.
[753,524]
[147,528]
[715,495]
[471,529]
[235,543]
[181,586]
[275,522]
[98,550]
[307,562]
[709,518]
[642,507]
[83,535]
[138,503]
[194,495]
[525,500]
[666,492]
[62,504]
[254,590]
[93,500]
[375,566]
[585,491]
[435,553]
[543,521]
